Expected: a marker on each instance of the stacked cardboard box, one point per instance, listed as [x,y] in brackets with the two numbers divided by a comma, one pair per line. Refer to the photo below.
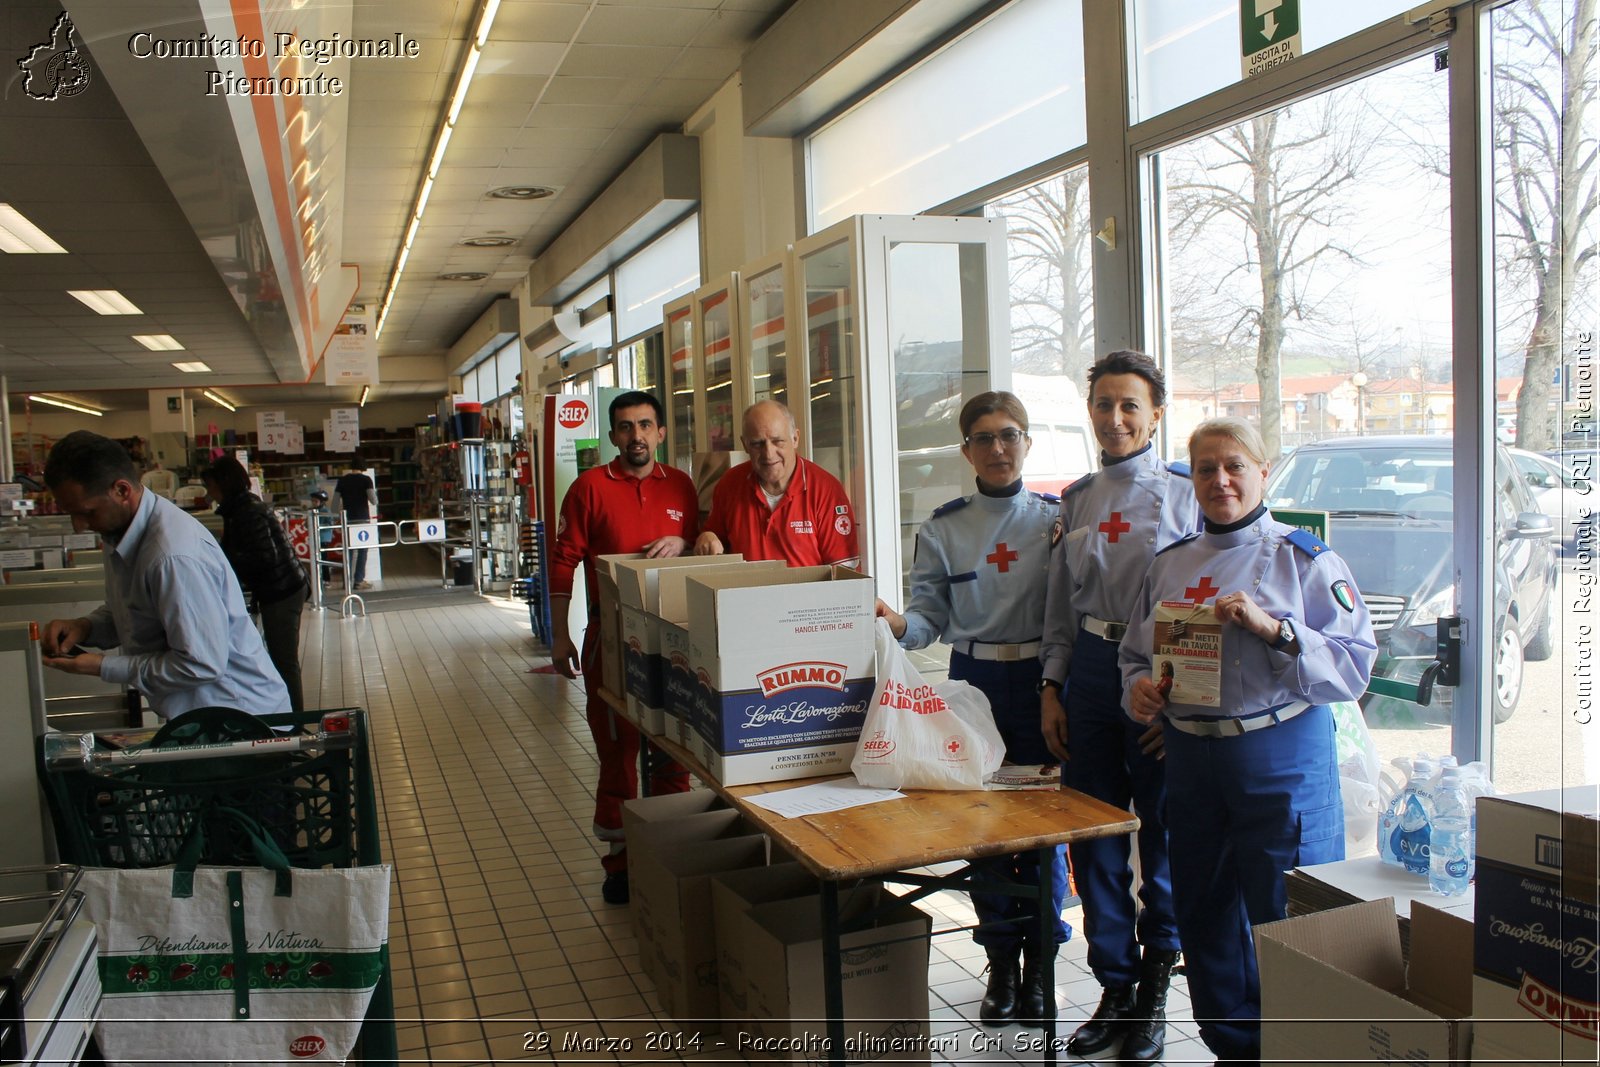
[638,583]
[783,663]
[1536,956]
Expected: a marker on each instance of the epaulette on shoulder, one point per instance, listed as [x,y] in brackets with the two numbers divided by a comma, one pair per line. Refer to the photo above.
[1180,541]
[1306,541]
[949,508]
[1081,483]
[1048,498]
[1180,468]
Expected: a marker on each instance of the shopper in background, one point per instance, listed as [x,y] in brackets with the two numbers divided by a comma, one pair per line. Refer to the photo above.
[273,580]
[173,609]
[358,501]
[1252,783]
[632,504]
[777,504]
[978,583]
[1112,523]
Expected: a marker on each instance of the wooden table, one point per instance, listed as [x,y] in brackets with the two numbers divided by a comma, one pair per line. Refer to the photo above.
[892,839]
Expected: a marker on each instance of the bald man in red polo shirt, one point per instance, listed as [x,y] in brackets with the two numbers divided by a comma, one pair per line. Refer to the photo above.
[779,505]
[632,504]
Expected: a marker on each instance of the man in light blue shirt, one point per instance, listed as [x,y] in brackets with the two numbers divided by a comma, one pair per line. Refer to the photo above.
[174,611]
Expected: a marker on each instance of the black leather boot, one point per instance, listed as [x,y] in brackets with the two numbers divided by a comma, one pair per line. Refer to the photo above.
[1147,1036]
[1033,999]
[1000,998]
[1107,1025]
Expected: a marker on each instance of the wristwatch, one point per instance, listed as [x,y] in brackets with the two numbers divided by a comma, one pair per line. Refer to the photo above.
[1285,635]
[1048,681]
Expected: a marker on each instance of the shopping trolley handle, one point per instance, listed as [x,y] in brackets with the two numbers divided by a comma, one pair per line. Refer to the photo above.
[68,751]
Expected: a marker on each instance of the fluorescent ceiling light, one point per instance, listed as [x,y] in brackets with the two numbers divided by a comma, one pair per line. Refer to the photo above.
[105,301]
[17,234]
[193,368]
[218,399]
[158,342]
[40,398]
[365,389]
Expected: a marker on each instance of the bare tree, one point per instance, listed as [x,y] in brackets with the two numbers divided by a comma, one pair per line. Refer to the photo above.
[1545,182]
[1052,295]
[1282,179]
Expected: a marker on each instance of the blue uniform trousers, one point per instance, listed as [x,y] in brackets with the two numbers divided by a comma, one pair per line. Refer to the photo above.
[1013,692]
[1241,811]
[1107,764]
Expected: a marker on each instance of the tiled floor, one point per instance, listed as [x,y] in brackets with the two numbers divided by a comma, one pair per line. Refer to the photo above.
[502,948]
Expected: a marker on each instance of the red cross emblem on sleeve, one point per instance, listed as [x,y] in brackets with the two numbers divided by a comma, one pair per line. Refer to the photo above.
[1114,527]
[1199,594]
[1001,557]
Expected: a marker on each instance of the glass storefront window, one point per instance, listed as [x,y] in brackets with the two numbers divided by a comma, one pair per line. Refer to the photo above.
[1304,286]
[657,274]
[717,340]
[769,368]
[681,382]
[831,355]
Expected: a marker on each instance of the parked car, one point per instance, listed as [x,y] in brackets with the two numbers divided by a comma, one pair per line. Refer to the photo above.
[1391,517]
[1569,500]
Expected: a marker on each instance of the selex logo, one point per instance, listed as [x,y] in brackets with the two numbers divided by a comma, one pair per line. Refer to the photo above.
[877,746]
[308,1045]
[573,413]
[776,680]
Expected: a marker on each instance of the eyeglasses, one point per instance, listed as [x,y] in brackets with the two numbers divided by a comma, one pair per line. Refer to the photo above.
[1009,437]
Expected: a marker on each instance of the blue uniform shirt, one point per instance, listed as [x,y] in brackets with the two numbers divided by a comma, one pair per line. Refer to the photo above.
[980,569]
[1112,522]
[1310,586]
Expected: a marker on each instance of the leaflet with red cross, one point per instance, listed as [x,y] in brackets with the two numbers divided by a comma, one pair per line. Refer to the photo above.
[1187,660]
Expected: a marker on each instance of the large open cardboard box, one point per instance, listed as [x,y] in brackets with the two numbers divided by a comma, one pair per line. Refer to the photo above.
[733,893]
[784,662]
[1536,985]
[1335,987]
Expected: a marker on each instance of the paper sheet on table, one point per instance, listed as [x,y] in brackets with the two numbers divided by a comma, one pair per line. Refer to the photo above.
[821,797]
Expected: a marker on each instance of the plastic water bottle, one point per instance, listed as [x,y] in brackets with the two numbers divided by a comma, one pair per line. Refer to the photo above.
[1410,836]
[1450,845]
[1389,821]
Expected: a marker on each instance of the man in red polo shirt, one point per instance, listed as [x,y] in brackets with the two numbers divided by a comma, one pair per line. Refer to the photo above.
[632,504]
[779,505]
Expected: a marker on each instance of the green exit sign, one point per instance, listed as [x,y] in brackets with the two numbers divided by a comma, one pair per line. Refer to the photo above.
[1269,34]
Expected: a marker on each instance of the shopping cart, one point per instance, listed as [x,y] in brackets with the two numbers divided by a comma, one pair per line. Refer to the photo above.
[310,790]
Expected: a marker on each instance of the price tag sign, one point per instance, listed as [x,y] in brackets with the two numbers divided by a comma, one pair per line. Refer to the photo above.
[364,536]
[430,529]
[294,442]
[272,431]
[21,557]
[344,429]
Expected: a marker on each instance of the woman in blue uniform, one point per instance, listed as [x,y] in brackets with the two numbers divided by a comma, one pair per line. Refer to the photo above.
[1113,522]
[979,584]
[1252,777]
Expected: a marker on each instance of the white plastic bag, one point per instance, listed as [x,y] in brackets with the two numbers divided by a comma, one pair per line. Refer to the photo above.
[919,736]
[1361,783]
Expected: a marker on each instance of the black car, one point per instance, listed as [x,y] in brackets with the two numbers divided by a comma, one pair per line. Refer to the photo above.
[1391,517]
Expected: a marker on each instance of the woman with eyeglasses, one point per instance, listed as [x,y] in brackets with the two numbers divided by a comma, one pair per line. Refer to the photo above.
[978,584]
[1252,773]
[1112,524]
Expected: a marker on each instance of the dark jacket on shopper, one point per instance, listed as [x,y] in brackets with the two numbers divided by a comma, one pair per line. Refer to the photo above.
[259,551]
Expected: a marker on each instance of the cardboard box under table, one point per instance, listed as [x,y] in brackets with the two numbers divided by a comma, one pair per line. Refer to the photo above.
[732,894]
[638,591]
[1536,958]
[1336,989]
[784,662]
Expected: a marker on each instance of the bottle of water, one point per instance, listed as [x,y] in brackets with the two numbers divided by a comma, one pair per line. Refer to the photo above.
[1389,820]
[1450,845]
[1410,836]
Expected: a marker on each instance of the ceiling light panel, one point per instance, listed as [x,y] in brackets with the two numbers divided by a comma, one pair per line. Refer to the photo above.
[18,235]
[193,368]
[105,301]
[159,342]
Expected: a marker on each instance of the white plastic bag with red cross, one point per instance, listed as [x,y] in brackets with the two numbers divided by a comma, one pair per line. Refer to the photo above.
[921,736]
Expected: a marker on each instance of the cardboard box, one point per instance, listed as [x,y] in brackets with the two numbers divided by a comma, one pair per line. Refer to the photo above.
[684,941]
[673,820]
[732,894]
[677,685]
[638,590]
[1334,987]
[610,621]
[885,974]
[1536,984]
[784,670]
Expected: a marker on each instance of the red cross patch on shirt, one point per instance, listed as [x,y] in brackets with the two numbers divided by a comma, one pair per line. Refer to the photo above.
[1114,527]
[1199,594]
[1002,557]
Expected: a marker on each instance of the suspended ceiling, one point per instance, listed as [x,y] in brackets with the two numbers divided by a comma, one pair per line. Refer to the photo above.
[142,177]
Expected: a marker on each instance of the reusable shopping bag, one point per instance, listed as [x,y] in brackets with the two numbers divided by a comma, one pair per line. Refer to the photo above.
[918,736]
[236,965]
